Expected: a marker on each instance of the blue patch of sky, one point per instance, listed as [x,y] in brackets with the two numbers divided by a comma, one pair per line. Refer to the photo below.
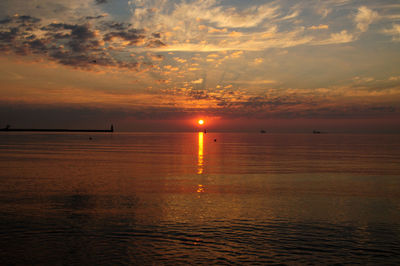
[119,10]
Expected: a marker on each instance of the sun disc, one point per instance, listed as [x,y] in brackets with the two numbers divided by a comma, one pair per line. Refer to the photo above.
[201,122]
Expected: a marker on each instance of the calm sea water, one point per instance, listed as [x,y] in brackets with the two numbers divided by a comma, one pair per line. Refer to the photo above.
[183,198]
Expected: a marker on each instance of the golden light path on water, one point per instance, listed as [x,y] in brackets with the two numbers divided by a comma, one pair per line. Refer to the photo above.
[200,157]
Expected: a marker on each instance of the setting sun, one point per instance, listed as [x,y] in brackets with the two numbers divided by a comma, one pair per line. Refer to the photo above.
[201,122]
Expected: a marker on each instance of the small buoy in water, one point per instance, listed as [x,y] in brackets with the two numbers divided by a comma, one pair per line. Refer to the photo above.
[90,138]
[215,140]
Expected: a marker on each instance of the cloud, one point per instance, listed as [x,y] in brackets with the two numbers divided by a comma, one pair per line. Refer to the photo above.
[78,45]
[71,11]
[212,56]
[394,32]
[96,17]
[260,40]
[361,80]
[258,61]
[199,25]
[197,81]
[79,38]
[164,81]
[235,34]
[155,57]
[218,26]
[26,20]
[364,18]
[7,37]
[215,30]
[225,17]
[236,54]
[224,26]
[323,11]
[120,26]
[133,36]
[155,44]
[180,60]
[337,38]
[319,27]
[255,82]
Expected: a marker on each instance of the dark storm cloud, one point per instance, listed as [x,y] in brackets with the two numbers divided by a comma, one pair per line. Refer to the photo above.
[76,45]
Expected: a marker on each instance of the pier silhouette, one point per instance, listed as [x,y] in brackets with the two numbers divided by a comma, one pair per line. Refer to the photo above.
[8,128]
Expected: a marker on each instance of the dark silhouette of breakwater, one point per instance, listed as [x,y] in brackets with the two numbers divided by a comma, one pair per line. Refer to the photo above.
[8,128]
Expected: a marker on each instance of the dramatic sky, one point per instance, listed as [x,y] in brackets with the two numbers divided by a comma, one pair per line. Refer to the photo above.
[159,65]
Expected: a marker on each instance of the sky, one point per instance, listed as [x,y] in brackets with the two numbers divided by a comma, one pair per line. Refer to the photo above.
[282,66]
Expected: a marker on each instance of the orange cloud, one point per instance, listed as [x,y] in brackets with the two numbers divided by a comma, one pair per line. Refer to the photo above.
[319,27]
[236,54]
[214,30]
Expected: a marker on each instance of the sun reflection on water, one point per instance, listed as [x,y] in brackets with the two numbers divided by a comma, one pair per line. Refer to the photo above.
[200,188]
[200,158]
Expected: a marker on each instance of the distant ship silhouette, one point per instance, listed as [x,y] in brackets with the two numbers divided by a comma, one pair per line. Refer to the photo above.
[8,128]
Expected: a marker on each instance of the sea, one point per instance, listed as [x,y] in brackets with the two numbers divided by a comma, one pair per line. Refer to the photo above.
[196,198]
